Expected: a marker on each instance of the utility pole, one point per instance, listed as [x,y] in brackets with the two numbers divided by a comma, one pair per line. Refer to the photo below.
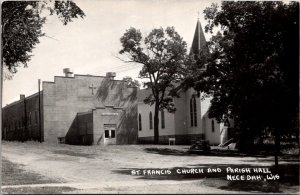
[40,118]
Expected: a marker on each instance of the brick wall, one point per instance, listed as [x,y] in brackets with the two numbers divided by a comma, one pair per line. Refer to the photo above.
[21,119]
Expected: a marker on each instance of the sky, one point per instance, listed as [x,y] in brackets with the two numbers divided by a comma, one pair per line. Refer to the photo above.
[90,45]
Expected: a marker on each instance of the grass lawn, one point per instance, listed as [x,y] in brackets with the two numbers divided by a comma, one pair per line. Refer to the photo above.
[13,174]
[37,190]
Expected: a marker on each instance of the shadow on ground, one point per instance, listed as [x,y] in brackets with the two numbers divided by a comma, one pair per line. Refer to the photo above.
[176,152]
[288,176]
[221,153]
[71,153]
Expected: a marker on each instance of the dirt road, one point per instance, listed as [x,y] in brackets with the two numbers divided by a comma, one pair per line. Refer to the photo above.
[107,169]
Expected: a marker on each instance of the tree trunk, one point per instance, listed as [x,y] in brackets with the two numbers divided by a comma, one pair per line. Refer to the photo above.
[277,148]
[156,122]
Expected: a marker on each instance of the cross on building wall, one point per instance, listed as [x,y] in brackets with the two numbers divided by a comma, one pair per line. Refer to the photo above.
[92,87]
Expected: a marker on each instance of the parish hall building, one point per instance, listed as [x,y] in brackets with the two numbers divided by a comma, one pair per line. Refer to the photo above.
[79,109]
[89,110]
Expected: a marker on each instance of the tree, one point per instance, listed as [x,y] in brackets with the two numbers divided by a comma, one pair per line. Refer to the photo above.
[252,68]
[130,82]
[162,54]
[22,23]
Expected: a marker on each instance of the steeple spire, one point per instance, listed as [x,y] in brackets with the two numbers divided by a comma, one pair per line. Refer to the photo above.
[199,39]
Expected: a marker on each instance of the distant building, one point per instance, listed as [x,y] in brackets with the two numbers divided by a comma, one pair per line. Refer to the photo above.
[79,109]
[190,122]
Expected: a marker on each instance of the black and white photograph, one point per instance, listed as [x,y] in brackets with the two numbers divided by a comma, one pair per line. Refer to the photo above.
[149,97]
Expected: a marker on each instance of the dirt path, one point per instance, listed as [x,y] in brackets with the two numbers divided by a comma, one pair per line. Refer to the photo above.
[95,169]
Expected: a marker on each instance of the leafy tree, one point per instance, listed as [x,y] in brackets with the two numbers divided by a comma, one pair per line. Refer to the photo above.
[162,54]
[130,82]
[22,23]
[252,68]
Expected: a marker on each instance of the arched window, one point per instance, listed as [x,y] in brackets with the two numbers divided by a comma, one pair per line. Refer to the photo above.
[213,126]
[140,122]
[150,121]
[193,111]
[162,119]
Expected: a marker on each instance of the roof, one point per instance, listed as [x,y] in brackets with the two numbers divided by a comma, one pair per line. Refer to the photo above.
[199,39]
[21,100]
[143,93]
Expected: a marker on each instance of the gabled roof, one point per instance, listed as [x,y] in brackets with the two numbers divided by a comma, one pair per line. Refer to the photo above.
[143,93]
[199,39]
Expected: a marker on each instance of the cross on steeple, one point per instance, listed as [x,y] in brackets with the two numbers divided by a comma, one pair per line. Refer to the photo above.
[92,87]
[198,15]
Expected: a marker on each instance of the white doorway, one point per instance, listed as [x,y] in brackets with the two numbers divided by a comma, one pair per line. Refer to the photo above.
[109,135]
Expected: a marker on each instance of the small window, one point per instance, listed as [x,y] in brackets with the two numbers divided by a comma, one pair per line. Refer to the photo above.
[106,133]
[162,119]
[61,140]
[213,126]
[140,122]
[150,121]
[113,133]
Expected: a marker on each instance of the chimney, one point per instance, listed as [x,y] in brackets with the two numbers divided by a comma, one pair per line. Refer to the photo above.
[111,75]
[22,96]
[68,72]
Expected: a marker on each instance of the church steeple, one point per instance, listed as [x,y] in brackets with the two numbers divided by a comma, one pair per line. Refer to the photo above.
[199,39]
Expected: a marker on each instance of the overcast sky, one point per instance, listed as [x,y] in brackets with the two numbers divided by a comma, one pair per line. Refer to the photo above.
[89,45]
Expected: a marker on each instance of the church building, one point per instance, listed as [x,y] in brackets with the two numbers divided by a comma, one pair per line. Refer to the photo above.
[75,109]
[190,122]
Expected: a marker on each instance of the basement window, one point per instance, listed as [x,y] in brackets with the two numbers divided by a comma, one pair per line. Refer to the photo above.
[61,140]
